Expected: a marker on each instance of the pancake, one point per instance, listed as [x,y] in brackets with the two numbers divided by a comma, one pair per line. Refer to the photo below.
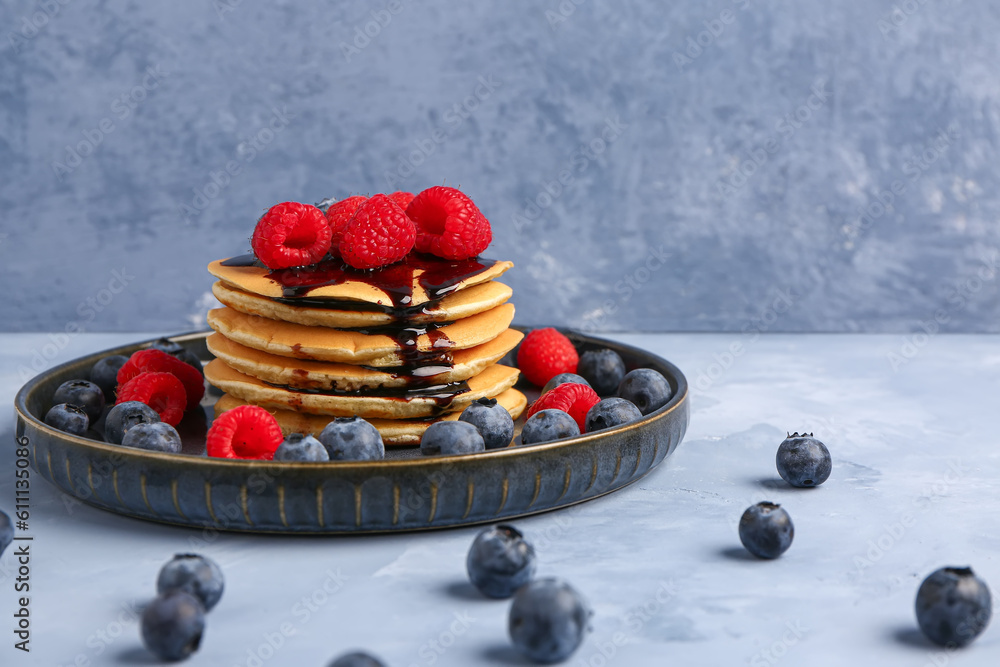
[464,303]
[355,347]
[394,432]
[256,280]
[347,377]
[491,382]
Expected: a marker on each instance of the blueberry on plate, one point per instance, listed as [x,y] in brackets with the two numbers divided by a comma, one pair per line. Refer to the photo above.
[565,378]
[647,389]
[803,461]
[352,439]
[356,659]
[611,412]
[84,394]
[124,416]
[547,425]
[68,418]
[604,370]
[190,359]
[500,561]
[155,437]
[953,606]
[105,374]
[6,531]
[299,447]
[493,421]
[167,345]
[451,437]
[172,626]
[195,575]
[766,530]
[548,620]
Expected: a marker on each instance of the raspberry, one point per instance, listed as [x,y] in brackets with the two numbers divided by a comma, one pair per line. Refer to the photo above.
[575,399]
[291,234]
[378,234]
[402,199]
[246,432]
[448,224]
[157,361]
[338,215]
[545,353]
[161,391]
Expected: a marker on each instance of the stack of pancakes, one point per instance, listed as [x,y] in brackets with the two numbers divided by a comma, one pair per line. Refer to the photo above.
[402,347]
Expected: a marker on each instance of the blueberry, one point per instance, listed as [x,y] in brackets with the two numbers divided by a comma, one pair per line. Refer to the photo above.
[167,345]
[105,374]
[953,606]
[646,388]
[352,439]
[124,416]
[298,447]
[356,659]
[604,370]
[493,421]
[803,460]
[155,437]
[611,412]
[172,625]
[195,575]
[81,393]
[6,531]
[564,378]
[547,425]
[500,561]
[191,359]
[451,437]
[766,530]
[68,418]
[548,620]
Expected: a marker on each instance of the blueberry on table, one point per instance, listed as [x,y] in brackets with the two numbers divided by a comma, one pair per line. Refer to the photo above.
[68,418]
[565,378]
[155,437]
[604,370]
[803,461]
[81,393]
[611,412]
[546,425]
[500,561]
[6,531]
[766,530]
[953,606]
[548,620]
[356,659]
[195,575]
[302,448]
[493,421]
[172,626]
[451,438]
[124,416]
[352,439]
[105,374]
[647,389]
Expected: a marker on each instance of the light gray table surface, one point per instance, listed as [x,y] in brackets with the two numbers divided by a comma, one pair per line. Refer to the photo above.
[912,426]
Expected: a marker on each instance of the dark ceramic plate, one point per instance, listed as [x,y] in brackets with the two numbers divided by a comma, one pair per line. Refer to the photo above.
[404,492]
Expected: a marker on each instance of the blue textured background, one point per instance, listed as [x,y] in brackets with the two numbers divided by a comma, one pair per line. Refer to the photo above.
[117,127]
